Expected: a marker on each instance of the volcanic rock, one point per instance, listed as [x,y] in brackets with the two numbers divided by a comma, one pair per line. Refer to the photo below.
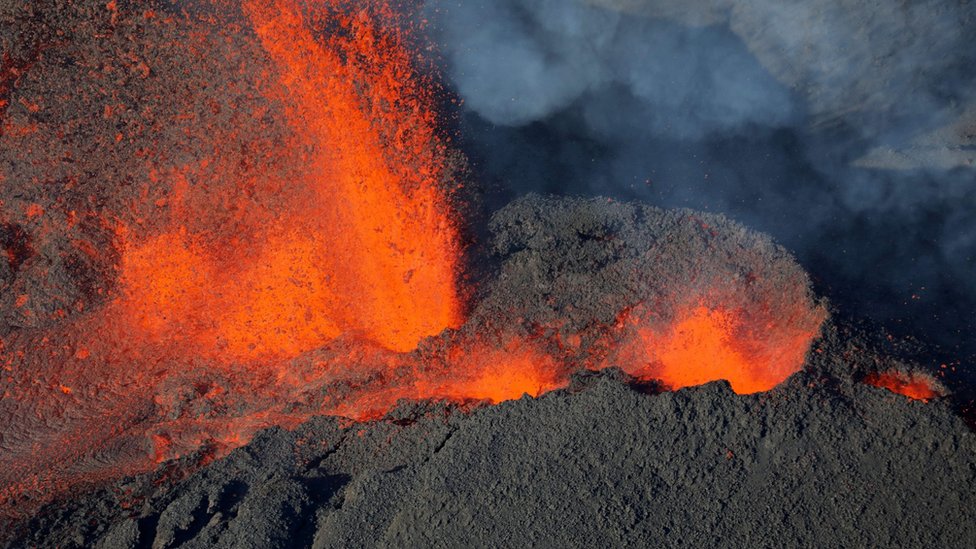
[821,458]
[814,461]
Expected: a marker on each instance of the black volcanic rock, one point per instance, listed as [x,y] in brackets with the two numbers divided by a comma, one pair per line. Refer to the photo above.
[813,462]
[822,459]
[578,264]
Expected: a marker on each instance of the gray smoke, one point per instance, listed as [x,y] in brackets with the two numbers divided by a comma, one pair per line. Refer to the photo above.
[845,128]
[518,62]
[872,64]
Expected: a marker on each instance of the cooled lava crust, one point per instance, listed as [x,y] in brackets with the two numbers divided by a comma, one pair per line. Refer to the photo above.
[821,459]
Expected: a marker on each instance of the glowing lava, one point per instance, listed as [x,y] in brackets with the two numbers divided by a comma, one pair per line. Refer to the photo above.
[364,241]
[914,386]
[379,168]
[496,373]
[332,226]
[705,344]
[295,258]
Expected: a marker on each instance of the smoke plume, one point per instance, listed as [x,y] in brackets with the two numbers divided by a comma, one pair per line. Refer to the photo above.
[847,129]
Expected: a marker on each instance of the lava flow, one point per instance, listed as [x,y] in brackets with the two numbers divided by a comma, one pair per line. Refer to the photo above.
[271,235]
[915,386]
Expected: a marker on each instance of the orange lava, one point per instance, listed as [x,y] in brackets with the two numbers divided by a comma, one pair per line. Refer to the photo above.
[913,386]
[335,235]
[363,241]
[379,168]
[495,373]
[319,278]
[463,372]
[706,344]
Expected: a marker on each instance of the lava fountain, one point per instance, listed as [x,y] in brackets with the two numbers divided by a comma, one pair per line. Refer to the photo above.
[259,227]
[365,243]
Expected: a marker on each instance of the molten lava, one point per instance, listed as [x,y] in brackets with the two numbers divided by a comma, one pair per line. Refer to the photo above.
[293,258]
[495,373]
[705,344]
[914,386]
[378,169]
[364,241]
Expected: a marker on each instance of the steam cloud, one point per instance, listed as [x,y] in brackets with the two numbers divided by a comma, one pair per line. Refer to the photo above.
[845,128]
